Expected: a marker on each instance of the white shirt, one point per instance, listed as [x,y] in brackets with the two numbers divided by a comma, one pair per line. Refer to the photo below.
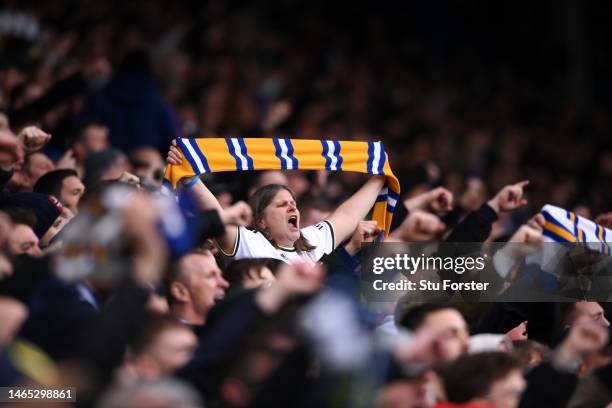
[254,244]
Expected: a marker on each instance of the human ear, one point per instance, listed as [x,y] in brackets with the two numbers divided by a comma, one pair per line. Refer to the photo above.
[179,292]
[261,224]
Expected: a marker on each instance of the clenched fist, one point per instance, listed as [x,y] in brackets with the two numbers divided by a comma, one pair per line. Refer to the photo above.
[33,138]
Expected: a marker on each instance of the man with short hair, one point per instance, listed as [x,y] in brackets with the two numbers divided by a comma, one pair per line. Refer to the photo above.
[92,137]
[46,208]
[194,286]
[65,185]
[22,239]
[446,323]
[593,310]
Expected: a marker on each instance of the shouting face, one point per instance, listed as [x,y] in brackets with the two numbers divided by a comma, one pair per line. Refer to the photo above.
[281,219]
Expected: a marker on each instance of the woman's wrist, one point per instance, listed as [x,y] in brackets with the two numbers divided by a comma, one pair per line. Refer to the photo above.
[192,182]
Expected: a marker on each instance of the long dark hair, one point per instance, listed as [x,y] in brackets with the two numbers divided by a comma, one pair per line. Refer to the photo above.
[261,199]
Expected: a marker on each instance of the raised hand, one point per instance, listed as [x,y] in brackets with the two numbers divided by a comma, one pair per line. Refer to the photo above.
[174,154]
[238,214]
[67,161]
[419,226]
[525,241]
[33,138]
[537,222]
[509,197]
[129,178]
[439,200]
[366,231]
[519,332]
[292,280]
[300,278]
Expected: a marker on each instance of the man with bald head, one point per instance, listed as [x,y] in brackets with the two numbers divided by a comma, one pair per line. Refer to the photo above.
[195,284]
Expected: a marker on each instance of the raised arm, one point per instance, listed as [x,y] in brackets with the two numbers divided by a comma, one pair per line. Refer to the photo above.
[347,216]
[207,201]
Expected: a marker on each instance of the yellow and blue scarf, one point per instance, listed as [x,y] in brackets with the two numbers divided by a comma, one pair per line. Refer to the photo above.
[211,155]
[566,227]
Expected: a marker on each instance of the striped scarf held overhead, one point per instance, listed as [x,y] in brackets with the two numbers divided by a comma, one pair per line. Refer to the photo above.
[562,230]
[566,227]
[242,154]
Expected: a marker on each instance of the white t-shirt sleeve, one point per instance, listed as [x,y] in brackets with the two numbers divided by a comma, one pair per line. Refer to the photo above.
[322,236]
[249,244]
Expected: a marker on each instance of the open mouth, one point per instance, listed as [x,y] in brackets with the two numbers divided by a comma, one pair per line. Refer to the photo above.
[293,221]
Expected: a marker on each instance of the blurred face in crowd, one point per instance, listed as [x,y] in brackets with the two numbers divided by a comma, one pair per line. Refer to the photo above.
[506,392]
[23,240]
[313,216]
[37,165]
[269,177]
[454,339]
[95,139]
[171,349]
[148,165]
[281,219]
[594,310]
[201,284]
[119,166]
[273,177]
[72,191]
[255,278]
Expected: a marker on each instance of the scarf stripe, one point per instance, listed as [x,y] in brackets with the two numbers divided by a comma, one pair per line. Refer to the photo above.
[284,152]
[331,152]
[240,154]
[238,150]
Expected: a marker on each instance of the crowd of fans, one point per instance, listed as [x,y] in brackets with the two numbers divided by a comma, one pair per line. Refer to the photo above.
[137,300]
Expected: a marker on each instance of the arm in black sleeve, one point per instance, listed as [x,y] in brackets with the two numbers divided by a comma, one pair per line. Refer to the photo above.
[476,227]
[343,271]
[466,238]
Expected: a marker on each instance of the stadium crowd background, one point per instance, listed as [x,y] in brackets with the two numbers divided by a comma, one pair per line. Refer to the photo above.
[468,97]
